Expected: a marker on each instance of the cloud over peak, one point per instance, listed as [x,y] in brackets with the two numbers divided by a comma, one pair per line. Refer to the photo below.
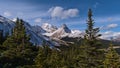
[59,12]
[7,13]
[38,20]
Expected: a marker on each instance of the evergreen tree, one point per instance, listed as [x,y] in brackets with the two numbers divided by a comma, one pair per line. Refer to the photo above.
[1,37]
[112,59]
[1,40]
[91,33]
[19,36]
[55,60]
[19,51]
[90,48]
[42,59]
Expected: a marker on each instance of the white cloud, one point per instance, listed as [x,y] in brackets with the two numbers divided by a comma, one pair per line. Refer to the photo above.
[110,26]
[59,12]
[38,20]
[110,34]
[107,19]
[7,13]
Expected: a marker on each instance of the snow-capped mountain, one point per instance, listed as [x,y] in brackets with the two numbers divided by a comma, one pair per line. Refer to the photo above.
[6,25]
[76,33]
[48,27]
[63,30]
[46,32]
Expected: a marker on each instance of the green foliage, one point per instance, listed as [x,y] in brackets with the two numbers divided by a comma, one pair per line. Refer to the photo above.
[43,57]
[40,59]
[1,36]
[86,55]
[18,37]
[18,49]
[91,54]
[112,59]
[91,33]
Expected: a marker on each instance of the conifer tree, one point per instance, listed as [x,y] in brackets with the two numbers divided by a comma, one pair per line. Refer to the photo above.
[112,59]
[19,36]
[91,33]
[42,59]
[90,48]
[19,47]
[1,36]
[1,40]
[55,60]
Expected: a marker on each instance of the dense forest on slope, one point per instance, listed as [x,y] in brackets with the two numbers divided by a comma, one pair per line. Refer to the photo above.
[16,51]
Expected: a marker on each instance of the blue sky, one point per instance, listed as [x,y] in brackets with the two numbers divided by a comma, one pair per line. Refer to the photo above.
[71,12]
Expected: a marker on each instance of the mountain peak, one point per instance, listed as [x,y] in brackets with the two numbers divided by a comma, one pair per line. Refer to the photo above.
[63,30]
[64,26]
[48,27]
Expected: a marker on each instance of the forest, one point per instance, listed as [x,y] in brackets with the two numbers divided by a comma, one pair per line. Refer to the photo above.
[16,51]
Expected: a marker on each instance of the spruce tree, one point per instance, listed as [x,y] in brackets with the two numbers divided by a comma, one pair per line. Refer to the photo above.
[1,37]
[112,59]
[19,36]
[19,49]
[91,33]
[1,40]
[90,48]
[55,60]
[43,57]
[40,59]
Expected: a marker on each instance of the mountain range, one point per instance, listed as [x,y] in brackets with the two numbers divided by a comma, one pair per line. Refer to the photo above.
[48,33]
[62,31]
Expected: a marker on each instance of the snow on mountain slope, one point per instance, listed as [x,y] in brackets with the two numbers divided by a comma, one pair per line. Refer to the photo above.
[7,25]
[73,34]
[36,39]
[49,28]
[63,30]
[76,33]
